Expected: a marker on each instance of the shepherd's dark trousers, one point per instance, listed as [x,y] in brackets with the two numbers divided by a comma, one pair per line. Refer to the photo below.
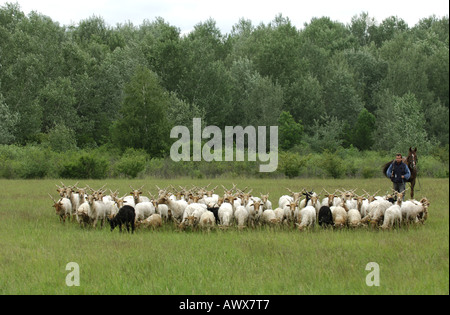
[400,187]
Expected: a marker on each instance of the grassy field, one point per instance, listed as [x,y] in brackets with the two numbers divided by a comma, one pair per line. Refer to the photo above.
[35,248]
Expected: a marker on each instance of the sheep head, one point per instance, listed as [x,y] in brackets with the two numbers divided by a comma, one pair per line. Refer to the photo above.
[359,201]
[57,205]
[136,193]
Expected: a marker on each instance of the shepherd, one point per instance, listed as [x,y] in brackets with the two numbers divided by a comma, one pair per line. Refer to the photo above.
[411,162]
[399,173]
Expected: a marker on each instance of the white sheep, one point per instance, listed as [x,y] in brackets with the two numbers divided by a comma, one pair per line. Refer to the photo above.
[192,213]
[154,221]
[269,217]
[207,220]
[63,207]
[143,210]
[176,207]
[82,214]
[266,203]
[254,209]
[314,202]
[279,214]
[97,211]
[241,216]
[136,193]
[416,211]
[306,217]
[284,201]
[291,212]
[225,214]
[331,200]
[362,205]
[74,200]
[111,208]
[340,216]
[393,214]
[353,218]
[162,210]
[375,212]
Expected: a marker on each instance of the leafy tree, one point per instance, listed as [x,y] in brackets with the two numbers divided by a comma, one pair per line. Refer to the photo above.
[57,100]
[326,134]
[8,122]
[143,123]
[400,124]
[368,71]
[304,100]
[290,132]
[206,81]
[255,99]
[387,30]
[273,50]
[340,94]
[61,138]
[362,133]
[163,50]
[360,28]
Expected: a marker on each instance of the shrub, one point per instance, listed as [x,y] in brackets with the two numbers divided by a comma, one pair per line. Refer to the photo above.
[131,163]
[429,166]
[85,166]
[291,163]
[332,164]
[34,162]
[369,172]
[62,138]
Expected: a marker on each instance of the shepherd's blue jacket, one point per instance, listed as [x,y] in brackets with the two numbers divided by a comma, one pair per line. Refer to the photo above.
[399,170]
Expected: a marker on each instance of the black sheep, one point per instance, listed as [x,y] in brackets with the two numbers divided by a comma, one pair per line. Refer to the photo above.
[215,210]
[126,215]
[325,216]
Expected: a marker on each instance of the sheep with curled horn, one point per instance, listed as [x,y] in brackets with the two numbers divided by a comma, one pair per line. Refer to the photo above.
[61,189]
[228,192]
[63,207]
[331,199]
[296,195]
[371,197]
[136,193]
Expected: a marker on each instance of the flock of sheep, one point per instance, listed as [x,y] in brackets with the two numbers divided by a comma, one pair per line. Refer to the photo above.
[200,207]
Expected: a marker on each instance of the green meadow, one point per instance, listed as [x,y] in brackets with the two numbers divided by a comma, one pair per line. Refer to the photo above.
[35,248]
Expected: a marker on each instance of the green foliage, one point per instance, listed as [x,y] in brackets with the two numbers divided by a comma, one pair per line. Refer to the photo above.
[290,164]
[98,80]
[289,131]
[144,123]
[85,166]
[362,133]
[325,134]
[33,162]
[131,163]
[61,139]
[333,164]
[401,124]
[8,122]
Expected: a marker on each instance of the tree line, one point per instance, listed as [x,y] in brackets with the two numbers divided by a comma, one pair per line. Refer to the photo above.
[369,85]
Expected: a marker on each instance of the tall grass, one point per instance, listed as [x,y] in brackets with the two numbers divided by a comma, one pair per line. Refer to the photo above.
[35,248]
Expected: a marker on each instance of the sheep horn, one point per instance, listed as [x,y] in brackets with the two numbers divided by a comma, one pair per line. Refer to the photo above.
[52,198]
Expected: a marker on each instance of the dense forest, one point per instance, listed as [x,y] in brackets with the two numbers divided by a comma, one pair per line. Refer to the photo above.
[369,85]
